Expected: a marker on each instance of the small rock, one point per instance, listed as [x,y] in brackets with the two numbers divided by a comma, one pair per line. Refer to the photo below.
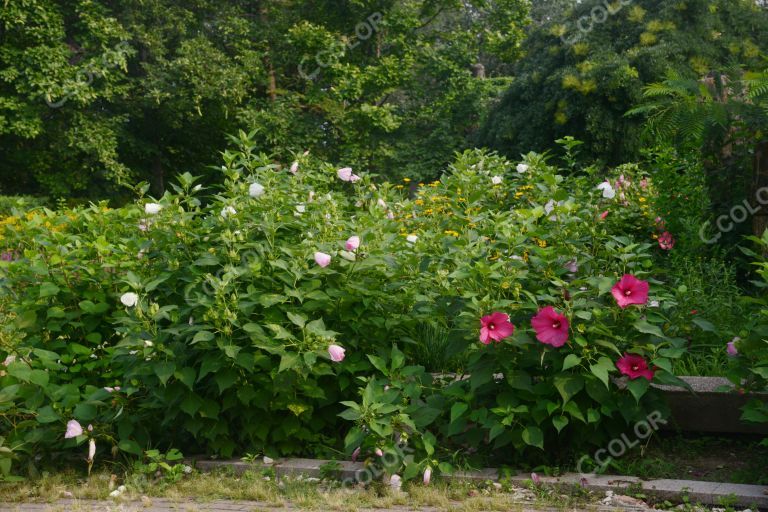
[67,494]
[312,480]
[629,501]
[268,460]
[497,485]
[146,502]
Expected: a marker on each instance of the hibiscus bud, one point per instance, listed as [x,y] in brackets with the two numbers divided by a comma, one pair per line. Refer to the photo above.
[427,475]
[732,350]
[536,479]
[378,452]
[294,167]
[91,450]
[336,352]
[355,454]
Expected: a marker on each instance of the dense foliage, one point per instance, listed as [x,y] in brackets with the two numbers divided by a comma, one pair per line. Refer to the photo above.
[97,94]
[213,319]
[585,69]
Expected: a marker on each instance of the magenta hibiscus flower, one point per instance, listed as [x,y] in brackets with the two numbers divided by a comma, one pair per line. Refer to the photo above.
[634,367]
[630,290]
[496,327]
[551,327]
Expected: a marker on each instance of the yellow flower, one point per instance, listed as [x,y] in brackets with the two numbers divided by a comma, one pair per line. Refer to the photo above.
[642,199]
[407,180]
[505,285]
[419,202]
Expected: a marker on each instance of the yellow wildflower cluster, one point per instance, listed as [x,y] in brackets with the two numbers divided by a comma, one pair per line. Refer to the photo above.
[451,233]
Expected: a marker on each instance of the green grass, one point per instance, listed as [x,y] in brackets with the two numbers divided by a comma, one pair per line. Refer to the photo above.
[715,459]
[323,495]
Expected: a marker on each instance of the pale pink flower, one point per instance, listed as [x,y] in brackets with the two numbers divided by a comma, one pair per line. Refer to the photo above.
[379,452]
[336,353]
[322,259]
[352,243]
[74,429]
[91,450]
[294,167]
[345,174]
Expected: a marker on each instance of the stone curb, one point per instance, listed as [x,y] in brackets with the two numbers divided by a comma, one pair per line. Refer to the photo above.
[706,493]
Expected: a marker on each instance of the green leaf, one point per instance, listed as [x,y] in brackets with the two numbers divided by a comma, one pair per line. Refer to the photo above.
[761,371]
[39,377]
[47,415]
[568,385]
[164,370]
[225,379]
[457,410]
[84,412]
[203,336]
[186,376]
[647,328]
[601,369]
[704,325]
[130,446]
[573,409]
[398,358]
[638,387]
[571,360]
[533,436]
[297,319]
[48,289]
[560,422]
[288,361]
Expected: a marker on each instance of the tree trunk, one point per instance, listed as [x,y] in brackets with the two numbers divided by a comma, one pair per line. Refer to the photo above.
[759,192]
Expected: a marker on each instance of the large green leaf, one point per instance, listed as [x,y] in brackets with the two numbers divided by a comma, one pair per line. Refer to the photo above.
[568,385]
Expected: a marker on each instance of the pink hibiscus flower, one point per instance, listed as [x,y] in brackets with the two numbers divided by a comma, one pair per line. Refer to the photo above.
[630,290]
[551,327]
[496,327]
[666,241]
[634,367]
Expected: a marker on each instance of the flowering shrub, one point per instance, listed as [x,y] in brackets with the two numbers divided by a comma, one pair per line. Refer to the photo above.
[288,305]
[748,352]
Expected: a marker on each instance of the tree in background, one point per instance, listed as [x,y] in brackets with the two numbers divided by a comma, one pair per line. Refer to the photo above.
[583,71]
[95,94]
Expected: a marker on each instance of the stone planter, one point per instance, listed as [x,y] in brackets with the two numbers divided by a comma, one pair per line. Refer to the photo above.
[707,410]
